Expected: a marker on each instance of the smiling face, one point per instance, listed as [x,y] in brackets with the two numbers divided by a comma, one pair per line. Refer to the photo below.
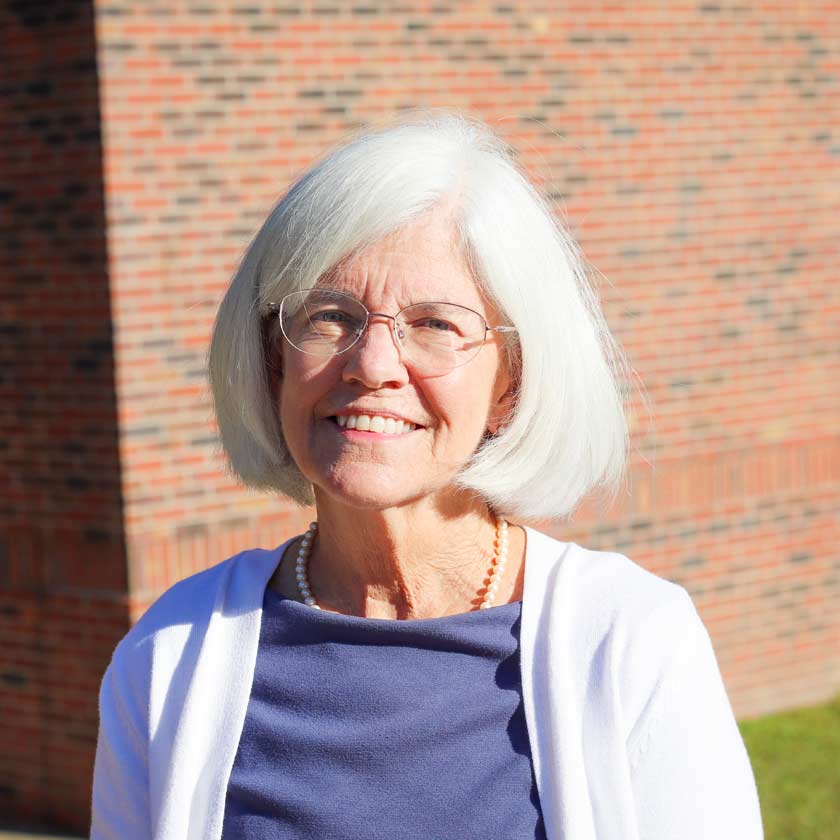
[421,262]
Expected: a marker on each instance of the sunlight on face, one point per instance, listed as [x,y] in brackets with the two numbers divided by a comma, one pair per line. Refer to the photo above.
[419,263]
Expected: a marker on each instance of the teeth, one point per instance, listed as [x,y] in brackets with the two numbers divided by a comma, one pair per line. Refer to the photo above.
[374,423]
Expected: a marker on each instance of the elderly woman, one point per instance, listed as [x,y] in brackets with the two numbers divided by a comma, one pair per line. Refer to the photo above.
[410,345]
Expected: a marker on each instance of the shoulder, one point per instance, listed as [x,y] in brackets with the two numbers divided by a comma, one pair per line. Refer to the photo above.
[606,597]
[610,581]
[185,608]
[616,623]
[648,618]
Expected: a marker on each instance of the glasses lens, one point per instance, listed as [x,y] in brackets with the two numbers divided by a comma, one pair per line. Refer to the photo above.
[441,336]
[321,322]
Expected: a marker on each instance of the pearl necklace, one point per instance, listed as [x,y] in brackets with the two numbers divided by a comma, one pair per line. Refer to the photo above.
[499,560]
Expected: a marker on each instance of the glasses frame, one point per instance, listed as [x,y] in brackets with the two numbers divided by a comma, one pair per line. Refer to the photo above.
[277,308]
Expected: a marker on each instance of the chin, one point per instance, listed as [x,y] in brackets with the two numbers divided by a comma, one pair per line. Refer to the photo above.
[353,490]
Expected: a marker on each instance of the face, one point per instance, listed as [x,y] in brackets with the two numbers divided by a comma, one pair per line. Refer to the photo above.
[369,470]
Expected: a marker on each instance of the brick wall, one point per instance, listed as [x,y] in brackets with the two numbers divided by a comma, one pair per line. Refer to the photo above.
[63,578]
[694,150]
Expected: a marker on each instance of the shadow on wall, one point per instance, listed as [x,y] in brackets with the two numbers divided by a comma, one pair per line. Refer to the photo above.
[62,554]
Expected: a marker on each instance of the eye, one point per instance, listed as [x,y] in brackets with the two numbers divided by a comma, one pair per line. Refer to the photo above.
[327,316]
[436,323]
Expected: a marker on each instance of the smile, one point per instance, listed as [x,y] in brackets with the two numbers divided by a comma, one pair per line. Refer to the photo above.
[367,426]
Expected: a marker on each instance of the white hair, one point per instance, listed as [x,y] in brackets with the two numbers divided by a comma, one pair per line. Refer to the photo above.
[566,433]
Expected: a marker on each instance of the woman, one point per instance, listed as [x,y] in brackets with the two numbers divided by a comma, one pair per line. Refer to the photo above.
[410,345]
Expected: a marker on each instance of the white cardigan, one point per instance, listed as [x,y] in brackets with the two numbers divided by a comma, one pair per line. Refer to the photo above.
[631,731]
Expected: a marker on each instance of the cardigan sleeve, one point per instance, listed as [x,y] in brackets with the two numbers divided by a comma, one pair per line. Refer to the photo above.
[120,803]
[691,774]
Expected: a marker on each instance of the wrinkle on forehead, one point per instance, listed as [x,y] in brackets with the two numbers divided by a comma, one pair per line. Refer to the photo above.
[420,262]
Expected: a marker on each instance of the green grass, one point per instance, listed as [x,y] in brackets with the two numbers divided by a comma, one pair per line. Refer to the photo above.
[796,760]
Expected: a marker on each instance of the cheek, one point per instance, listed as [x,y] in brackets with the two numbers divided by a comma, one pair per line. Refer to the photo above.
[301,392]
[304,385]
[463,406]
[286,398]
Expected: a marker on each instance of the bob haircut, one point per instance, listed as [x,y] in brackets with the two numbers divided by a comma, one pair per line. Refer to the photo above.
[566,433]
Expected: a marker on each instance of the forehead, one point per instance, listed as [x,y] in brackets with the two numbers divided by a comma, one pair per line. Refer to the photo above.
[420,262]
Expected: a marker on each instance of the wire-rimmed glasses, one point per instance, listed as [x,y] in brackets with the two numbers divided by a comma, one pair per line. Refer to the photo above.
[435,335]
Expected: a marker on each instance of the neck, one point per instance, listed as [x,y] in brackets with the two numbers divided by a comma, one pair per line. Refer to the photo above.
[411,561]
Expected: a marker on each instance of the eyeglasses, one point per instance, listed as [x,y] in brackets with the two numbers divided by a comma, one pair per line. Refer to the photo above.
[434,336]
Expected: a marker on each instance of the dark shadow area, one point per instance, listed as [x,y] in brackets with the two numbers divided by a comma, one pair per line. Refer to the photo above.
[63,574]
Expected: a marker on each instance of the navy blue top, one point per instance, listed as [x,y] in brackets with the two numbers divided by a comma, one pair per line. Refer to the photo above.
[377,728]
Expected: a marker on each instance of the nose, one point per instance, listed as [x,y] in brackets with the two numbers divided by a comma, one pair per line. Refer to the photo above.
[375,360]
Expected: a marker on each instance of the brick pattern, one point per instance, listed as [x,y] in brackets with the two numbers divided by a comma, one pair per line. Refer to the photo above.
[55,648]
[63,574]
[693,149]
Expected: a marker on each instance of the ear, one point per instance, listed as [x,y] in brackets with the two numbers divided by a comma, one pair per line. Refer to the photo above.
[502,399]
[274,365]
[275,372]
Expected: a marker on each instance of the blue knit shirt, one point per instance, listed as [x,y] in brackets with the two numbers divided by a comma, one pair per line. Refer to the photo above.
[374,728]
